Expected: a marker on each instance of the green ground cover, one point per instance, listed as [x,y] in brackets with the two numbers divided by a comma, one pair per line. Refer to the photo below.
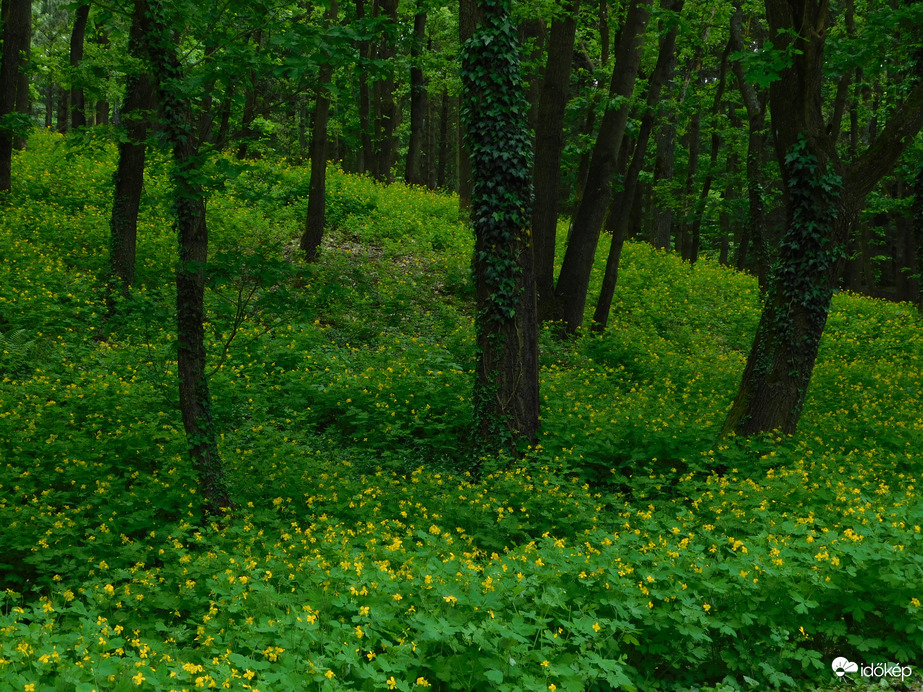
[628,550]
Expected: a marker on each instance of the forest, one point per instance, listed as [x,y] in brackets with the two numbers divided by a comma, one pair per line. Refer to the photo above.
[495,345]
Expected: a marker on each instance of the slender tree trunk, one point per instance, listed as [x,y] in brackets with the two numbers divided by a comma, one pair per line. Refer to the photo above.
[412,170]
[468,13]
[77,103]
[622,212]
[16,35]
[663,173]
[317,194]
[443,141]
[386,111]
[506,393]
[590,216]
[189,209]
[102,105]
[129,176]
[533,32]
[23,98]
[755,105]
[822,196]
[549,144]
[366,153]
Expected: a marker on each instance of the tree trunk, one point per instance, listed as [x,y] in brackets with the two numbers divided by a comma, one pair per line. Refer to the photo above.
[16,35]
[317,193]
[468,17]
[549,143]
[506,394]
[755,105]
[366,152]
[574,279]
[189,209]
[621,214]
[23,98]
[129,176]
[443,161]
[822,196]
[386,108]
[412,169]
[77,103]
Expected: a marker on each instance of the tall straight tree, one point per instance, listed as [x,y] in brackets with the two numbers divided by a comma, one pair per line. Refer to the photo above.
[77,100]
[16,34]
[413,172]
[317,194]
[549,143]
[574,279]
[494,113]
[189,209]
[129,175]
[823,195]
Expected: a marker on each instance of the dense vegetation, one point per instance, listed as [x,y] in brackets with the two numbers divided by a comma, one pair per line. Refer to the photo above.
[628,550]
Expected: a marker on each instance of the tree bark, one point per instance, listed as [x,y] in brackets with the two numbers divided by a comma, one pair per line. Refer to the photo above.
[621,213]
[755,105]
[189,209]
[412,169]
[506,393]
[317,193]
[77,102]
[16,36]
[23,98]
[129,176]
[468,19]
[822,196]
[549,144]
[386,108]
[574,279]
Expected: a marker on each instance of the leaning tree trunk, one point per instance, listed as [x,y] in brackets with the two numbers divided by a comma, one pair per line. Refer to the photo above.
[189,209]
[620,215]
[574,279]
[549,144]
[506,395]
[16,33]
[823,197]
[129,176]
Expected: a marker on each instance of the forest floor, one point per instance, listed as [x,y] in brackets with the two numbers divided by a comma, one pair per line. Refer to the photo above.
[630,549]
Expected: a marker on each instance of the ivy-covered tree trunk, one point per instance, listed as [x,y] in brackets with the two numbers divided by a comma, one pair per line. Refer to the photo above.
[823,197]
[574,279]
[189,209]
[129,175]
[494,112]
[16,33]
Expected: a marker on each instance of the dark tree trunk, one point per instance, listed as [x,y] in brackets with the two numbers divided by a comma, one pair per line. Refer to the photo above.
[63,116]
[590,215]
[623,208]
[129,176]
[822,196]
[468,13]
[102,106]
[506,393]
[386,108]
[917,211]
[366,152]
[533,32]
[755,105]
[699,210]
[16,35]
[413,171]
[549,143]
[23,98]
[189,209]
[317,193]
[77,102]
[443,163]
[665,137]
